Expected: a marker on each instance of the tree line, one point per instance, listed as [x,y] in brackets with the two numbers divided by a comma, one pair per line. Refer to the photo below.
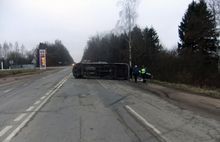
[114,48]
[57,54]
[194,60]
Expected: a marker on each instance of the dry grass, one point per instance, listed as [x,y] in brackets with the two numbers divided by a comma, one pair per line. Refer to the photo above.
[204,91]
[19,72]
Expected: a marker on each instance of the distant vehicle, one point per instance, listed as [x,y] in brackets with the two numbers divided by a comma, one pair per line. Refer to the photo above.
[85,61]
[101,70]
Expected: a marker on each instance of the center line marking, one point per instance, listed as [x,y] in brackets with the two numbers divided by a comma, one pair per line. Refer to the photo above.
[20,117]
[5,130]
[42,97]
[37,102]
[7,91]
[30,108]
[34,112]
[47,93]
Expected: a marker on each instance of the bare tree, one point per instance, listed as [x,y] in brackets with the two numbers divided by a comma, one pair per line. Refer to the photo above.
[1,51]
[30,55]
[128,16]
[5,49]
[22,50]
[10,46]
[214,6]
[16,52]
[16,47]
[22,53]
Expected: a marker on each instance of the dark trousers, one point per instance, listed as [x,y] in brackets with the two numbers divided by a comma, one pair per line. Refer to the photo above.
[135,78]
[131,69]
[144,78]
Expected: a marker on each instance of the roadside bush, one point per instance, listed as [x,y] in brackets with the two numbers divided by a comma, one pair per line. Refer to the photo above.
[192,69]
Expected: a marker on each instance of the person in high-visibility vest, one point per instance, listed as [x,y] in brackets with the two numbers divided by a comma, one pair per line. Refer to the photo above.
[143,72]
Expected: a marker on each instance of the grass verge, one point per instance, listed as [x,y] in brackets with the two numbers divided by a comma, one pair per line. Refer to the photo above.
[205,91]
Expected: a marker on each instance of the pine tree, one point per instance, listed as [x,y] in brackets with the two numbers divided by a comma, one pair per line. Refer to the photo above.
[198,43]
[197,31]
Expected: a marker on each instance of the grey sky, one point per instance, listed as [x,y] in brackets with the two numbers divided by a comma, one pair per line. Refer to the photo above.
[30,22]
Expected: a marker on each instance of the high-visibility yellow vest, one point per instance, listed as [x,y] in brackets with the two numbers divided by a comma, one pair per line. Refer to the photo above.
[143,71]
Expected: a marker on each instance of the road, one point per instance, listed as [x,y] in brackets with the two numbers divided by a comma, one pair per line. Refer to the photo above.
[56,107]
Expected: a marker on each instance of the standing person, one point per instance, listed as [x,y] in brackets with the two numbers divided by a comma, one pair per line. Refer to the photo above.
[143,72]
[146,74]
[135,73]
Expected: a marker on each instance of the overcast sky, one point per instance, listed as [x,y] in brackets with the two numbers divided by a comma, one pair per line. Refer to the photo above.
[30,22]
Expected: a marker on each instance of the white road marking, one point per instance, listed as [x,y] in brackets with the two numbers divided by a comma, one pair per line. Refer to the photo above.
[62,81]
[62,70]
[140,118]
[20,117]
[37,102]
[147,123]
[5,130]
[33,113]
[7,91]
[50,91]
[42,97]
[30,108]
[47,93]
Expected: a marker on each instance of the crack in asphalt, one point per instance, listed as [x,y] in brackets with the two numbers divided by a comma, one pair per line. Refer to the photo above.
[210,104]
[80,129]
[122,98]
[61,108]
[122,121]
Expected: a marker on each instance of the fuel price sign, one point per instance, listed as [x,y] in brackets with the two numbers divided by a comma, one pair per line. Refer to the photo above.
[42,58]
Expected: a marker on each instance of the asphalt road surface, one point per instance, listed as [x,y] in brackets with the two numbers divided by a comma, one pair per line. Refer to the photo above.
[56,107]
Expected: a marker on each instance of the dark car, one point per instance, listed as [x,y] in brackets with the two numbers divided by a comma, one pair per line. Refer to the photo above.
[149,75]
